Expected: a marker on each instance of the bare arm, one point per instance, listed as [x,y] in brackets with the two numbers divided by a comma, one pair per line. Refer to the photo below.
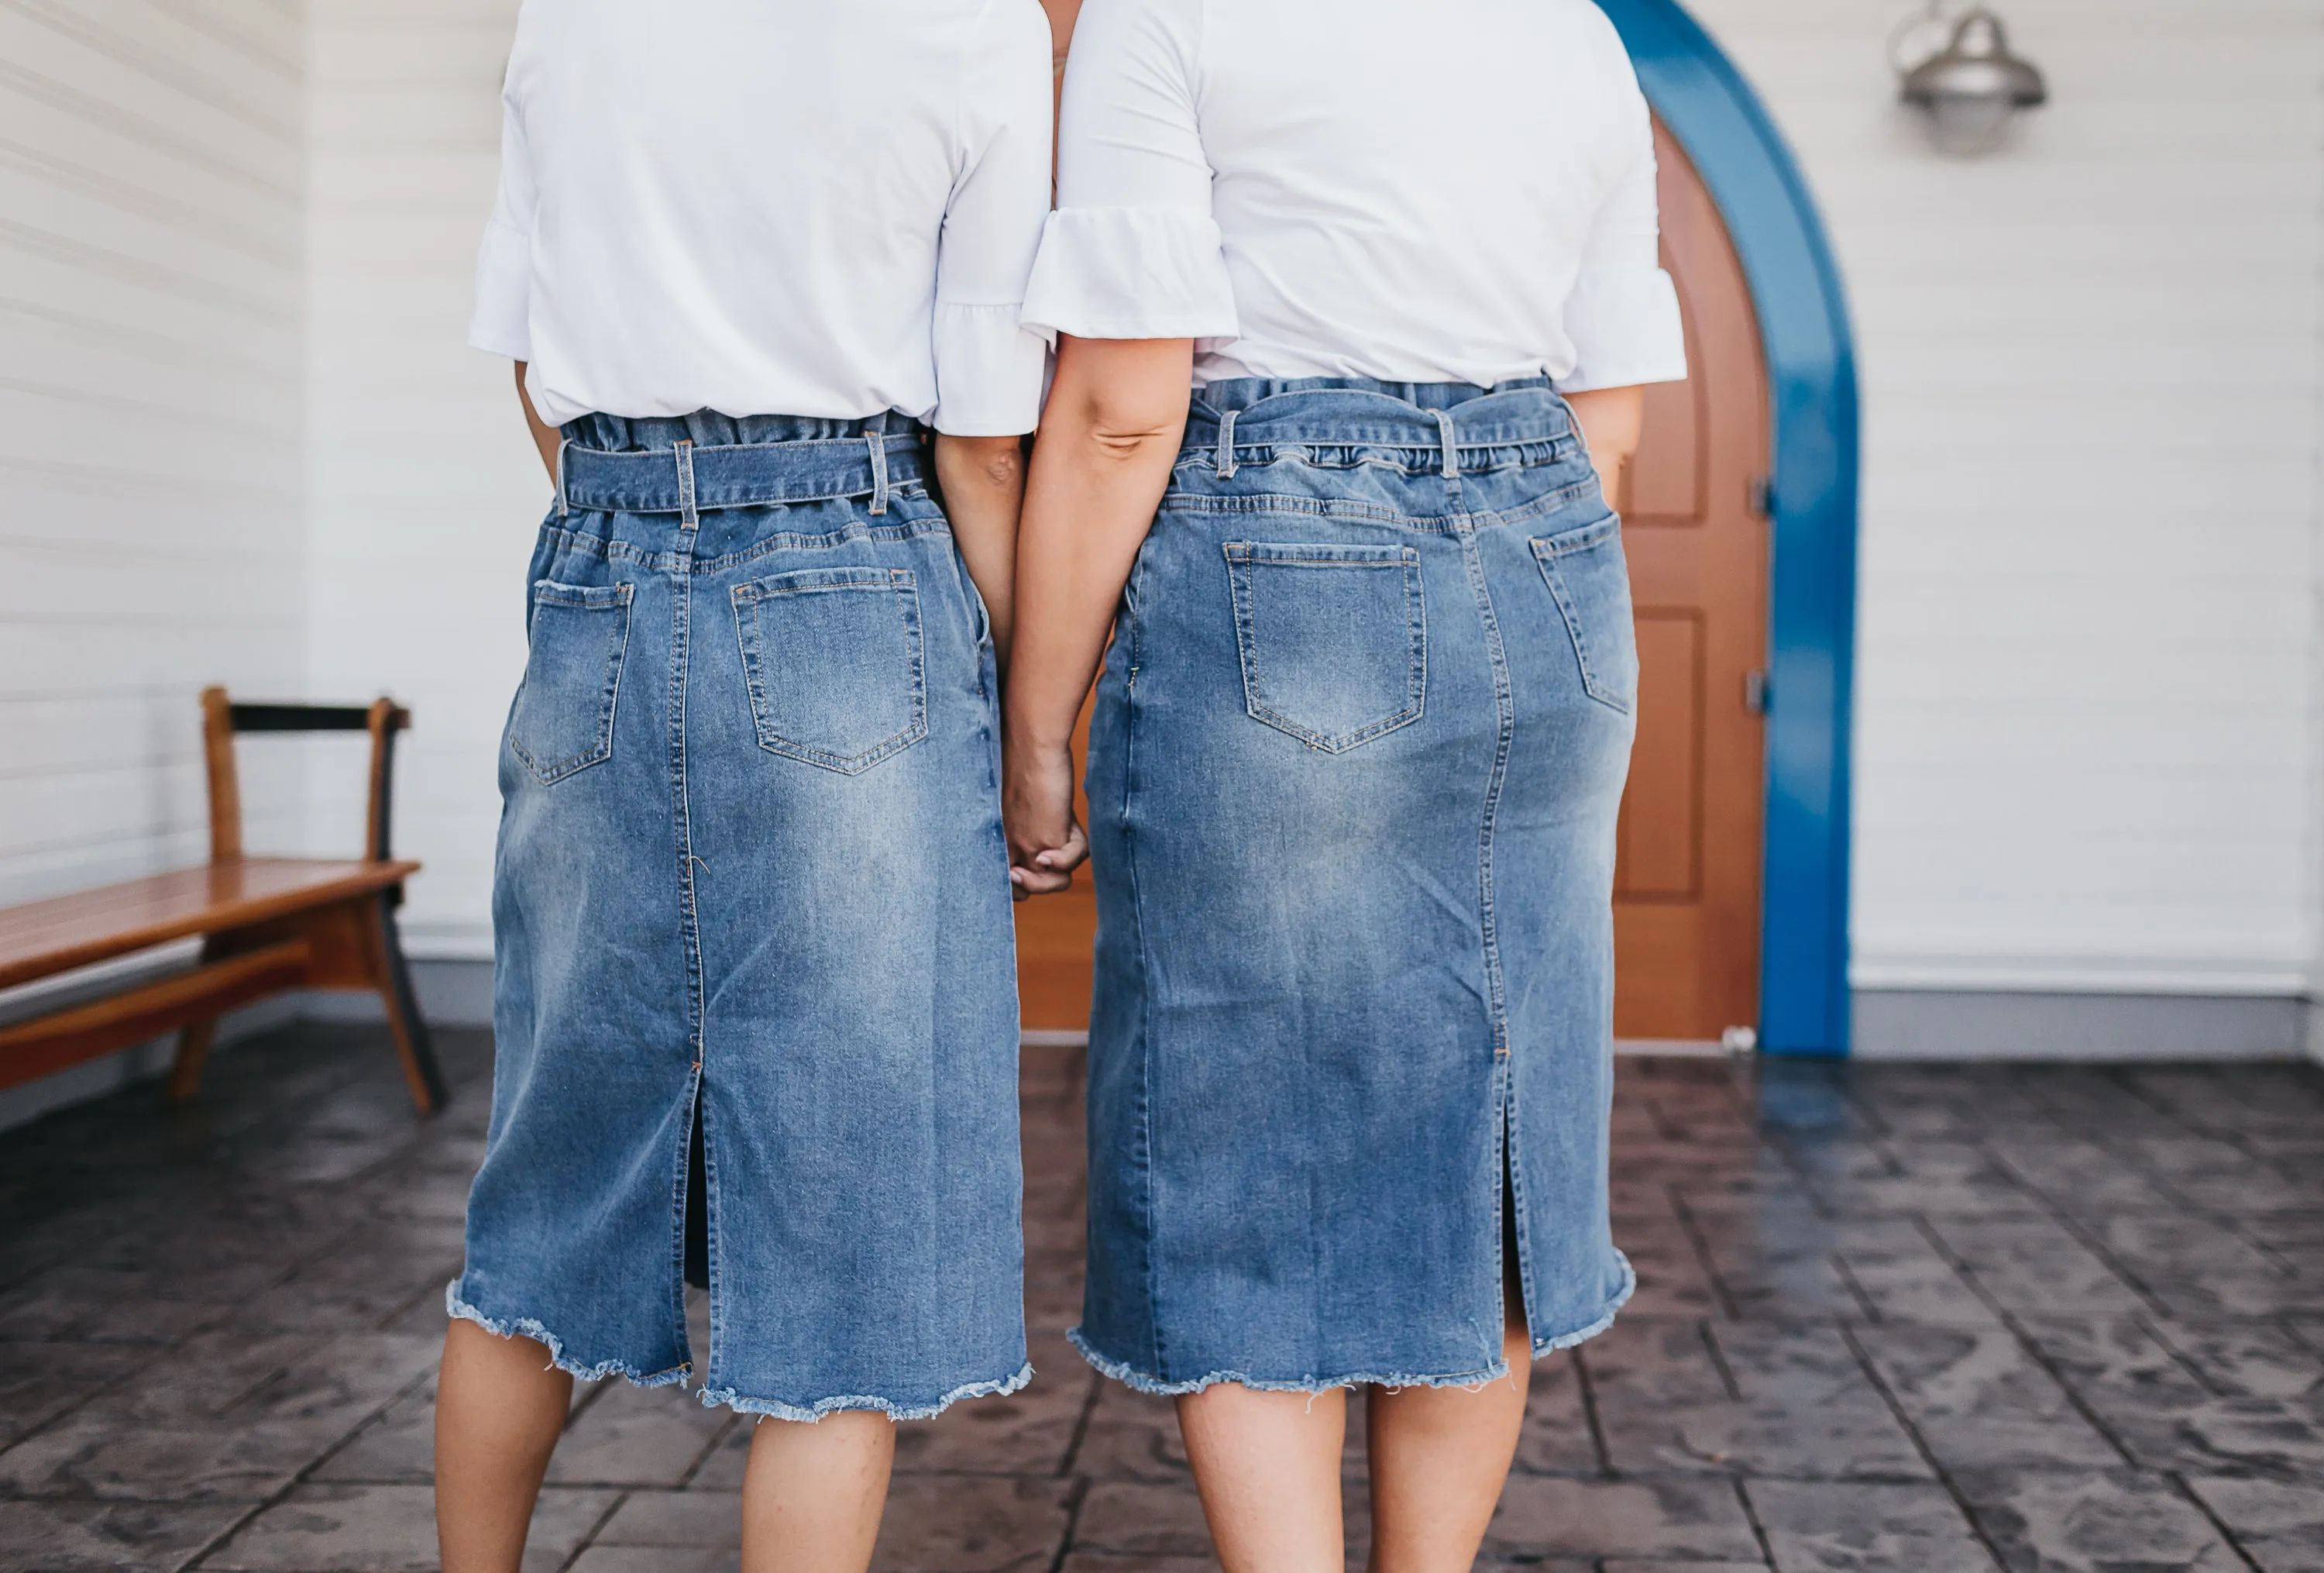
[545,437]
[983,483]
[1107,442]
[1610,421]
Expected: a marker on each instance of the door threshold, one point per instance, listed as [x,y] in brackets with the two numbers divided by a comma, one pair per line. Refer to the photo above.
[1672,1047]
[1661,1048]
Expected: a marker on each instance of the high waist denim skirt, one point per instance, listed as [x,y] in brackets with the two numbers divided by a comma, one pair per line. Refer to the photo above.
[1358,749]
[751,870]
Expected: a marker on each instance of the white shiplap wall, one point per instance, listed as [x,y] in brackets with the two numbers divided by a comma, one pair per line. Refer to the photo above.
[152,420]
[2088,647]
[424,490]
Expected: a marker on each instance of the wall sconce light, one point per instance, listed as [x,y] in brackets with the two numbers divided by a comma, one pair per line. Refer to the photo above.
[1959,72]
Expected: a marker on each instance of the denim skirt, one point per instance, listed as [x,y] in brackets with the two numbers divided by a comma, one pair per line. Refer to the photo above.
[751,873]
[1358,750]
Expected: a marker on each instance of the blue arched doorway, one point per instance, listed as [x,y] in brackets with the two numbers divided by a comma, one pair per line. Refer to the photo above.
[1803,319]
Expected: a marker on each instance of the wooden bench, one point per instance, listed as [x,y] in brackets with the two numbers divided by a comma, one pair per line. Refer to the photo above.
[266,924]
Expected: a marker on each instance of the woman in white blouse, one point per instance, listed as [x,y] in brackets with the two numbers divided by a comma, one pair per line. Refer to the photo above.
[1363,725]
[760,265]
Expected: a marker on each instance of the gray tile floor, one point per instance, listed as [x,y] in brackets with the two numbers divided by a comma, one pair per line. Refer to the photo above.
[1924,1319]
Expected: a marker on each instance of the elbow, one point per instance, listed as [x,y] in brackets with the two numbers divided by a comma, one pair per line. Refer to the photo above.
[1115,432]
[1121,443]
[1119,403]
[996,462]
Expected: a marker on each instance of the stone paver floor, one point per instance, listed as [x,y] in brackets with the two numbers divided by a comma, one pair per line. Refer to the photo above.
[1918,1319]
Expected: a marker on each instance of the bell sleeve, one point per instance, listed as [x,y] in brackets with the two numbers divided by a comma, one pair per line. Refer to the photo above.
[502,322]
[1132,251]
[1623,314]
[989,367]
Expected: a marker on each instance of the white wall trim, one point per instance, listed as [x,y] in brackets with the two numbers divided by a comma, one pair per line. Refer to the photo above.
[439,941]
[2086,1028]
[2089,974]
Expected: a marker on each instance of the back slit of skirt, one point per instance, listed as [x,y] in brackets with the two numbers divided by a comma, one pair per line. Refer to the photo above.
[697,1202]
[1512,1251]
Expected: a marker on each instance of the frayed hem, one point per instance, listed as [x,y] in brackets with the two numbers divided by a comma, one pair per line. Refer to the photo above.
[1146,1382]
[1613,1309]
[459,1309]
[775,1409]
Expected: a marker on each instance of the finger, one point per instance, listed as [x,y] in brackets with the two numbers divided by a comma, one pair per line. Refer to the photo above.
[1071,856]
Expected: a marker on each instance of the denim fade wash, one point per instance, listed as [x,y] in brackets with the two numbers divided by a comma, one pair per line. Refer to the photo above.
[1359,746]
[751,863]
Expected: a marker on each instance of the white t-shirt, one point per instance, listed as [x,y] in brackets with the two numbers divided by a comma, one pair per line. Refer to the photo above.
[822,208]
[1417,190]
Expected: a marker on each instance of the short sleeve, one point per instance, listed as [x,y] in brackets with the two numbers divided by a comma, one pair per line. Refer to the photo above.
[1132,251]
[1623,315]
[989,367]
[502,322]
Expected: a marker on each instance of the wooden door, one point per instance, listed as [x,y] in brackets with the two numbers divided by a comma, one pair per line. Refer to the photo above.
[1686,905]
[1686,887]
[1056,935]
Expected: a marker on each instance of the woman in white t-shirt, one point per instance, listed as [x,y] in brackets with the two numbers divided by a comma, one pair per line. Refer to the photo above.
[761,263]
[1363,725]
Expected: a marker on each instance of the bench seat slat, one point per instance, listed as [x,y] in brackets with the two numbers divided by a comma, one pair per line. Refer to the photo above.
[44,937]
[50,1043]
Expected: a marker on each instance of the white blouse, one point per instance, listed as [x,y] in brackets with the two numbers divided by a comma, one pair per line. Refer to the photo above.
[1417,190]
[822,208]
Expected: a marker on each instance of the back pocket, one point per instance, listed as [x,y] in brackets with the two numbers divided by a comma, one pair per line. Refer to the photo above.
[1334,640]
[562,722]
[1590,579]
[833,659]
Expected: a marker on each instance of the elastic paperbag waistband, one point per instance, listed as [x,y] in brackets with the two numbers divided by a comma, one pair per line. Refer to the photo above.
[687,478]
[1461,423]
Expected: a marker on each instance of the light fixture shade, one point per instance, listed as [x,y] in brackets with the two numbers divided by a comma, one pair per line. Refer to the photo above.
[1973,86]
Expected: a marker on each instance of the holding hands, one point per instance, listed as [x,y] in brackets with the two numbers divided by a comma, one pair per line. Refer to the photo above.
[1046,842]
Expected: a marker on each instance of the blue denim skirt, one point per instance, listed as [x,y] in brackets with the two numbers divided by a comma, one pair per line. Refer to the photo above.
[751,865]
[1358,750]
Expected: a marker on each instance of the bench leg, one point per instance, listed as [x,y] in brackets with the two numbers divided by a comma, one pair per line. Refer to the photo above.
[193,1053]
[413,1046]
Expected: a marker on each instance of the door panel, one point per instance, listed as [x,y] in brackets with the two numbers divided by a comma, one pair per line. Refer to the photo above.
[1686,905]
[1660,833]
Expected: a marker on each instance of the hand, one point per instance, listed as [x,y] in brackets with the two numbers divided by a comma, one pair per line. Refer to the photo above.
[1037,808]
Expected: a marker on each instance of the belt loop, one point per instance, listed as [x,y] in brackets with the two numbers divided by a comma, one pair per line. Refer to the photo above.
[877,439]
[1451,452]
[1226,445]
[564,509]
[686,483]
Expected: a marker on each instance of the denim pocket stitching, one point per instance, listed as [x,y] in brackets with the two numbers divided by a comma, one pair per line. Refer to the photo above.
[581,598]
[1550,503]
[1241,555]
[1546,551]
[899,582]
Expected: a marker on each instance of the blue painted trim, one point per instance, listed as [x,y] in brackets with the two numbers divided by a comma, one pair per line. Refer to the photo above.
[1803,330]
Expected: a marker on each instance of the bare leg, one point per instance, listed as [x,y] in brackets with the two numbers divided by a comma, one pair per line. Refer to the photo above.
[813,1493]
[1267,1465]
[1439,1457]
[500,1406]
